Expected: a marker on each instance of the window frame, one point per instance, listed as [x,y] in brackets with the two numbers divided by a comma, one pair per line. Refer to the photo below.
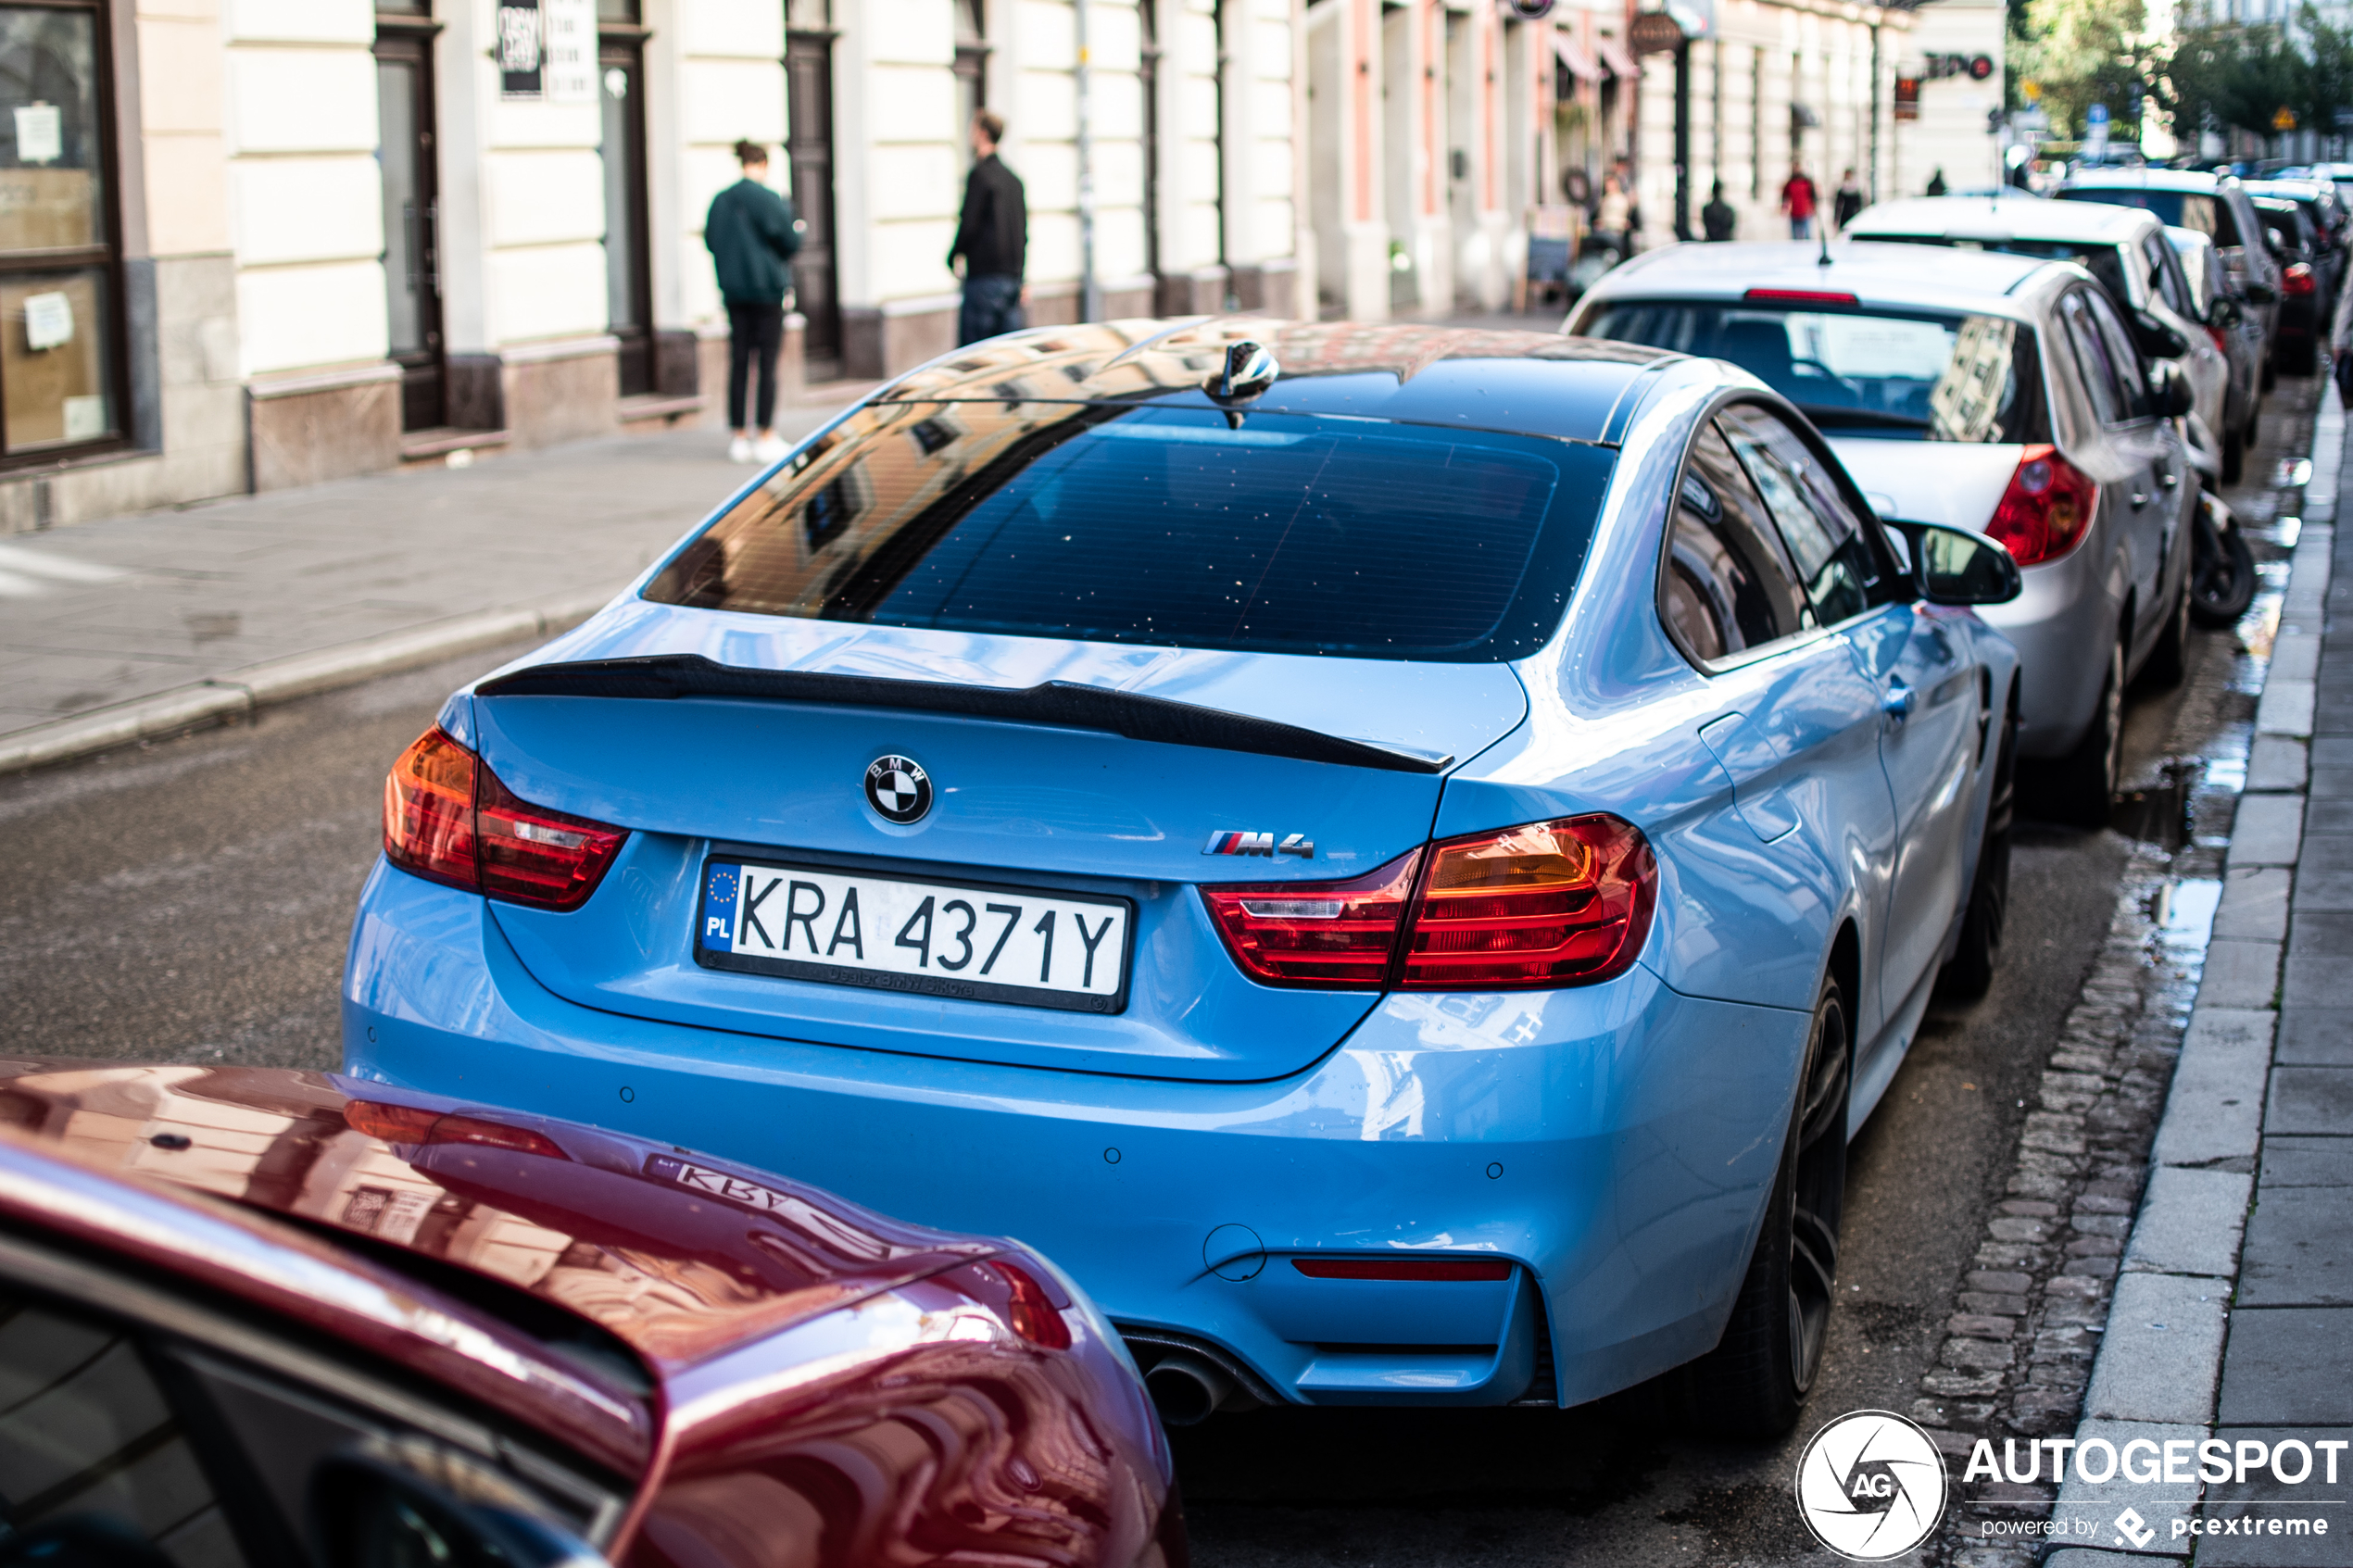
[104,257]
[1873,533]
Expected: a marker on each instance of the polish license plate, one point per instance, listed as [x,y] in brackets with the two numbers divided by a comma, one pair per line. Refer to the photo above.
[974,940]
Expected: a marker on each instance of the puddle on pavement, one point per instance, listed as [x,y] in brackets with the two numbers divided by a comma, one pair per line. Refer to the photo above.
[2159,814]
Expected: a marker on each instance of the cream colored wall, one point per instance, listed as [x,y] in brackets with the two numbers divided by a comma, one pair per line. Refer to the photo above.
[728,79]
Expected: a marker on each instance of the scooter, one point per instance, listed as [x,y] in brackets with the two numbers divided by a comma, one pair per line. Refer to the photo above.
[2221,567]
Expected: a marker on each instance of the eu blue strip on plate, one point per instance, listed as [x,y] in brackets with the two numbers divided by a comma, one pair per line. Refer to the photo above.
[718,908]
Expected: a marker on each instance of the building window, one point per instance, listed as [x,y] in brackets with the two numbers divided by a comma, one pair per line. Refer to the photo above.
[60,369]
[972,69]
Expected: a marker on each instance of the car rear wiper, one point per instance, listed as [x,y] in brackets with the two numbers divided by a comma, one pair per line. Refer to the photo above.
[1841,415]
[1061,703]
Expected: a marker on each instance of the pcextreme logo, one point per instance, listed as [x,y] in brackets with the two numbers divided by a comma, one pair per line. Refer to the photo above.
[1871,1485]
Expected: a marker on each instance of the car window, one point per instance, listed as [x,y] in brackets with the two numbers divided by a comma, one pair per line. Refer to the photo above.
[2182,209]
[1826,541]
[2104,261]
[2131,377]
[87,1435]
[2166,280]
[1293,533]
[1726,586]
[2094,369]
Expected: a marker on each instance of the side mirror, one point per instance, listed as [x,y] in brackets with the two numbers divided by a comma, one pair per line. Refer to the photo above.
[2158,339]
[2258,293]
[1952,566]
[2225,312]
[2170,385]
[372,1512]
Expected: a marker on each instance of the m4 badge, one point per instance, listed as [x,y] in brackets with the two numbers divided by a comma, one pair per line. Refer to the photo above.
[1297,843]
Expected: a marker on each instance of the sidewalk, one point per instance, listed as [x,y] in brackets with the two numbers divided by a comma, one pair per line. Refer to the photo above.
[138,626]
[2233,1316]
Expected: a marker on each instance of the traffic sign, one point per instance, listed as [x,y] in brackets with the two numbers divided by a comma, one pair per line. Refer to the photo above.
[2285,120]
[2095,115]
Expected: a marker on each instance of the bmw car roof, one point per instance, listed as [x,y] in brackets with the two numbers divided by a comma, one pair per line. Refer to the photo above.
[1534,382]
[1981,282]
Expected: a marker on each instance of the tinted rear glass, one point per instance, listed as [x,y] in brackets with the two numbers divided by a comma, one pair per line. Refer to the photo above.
[1108,524]
[2182,209]
[1929,377]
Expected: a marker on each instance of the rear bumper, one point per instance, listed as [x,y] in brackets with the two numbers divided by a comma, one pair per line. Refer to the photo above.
[2063,625]
[1615,1145]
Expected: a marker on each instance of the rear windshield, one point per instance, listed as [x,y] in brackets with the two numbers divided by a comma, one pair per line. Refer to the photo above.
[1110,523]
[1926,377]
[2104,261]
[2182,209]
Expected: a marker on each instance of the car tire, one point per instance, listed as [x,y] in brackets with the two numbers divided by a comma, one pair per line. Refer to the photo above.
[2169,661]
[1969,972]
[1754,1384]
[2081,786]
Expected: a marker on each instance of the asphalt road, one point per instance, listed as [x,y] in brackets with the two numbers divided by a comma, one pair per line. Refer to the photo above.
[189,900]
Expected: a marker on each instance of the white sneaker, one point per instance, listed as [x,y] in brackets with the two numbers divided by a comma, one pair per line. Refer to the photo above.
[740,450]
[767,449]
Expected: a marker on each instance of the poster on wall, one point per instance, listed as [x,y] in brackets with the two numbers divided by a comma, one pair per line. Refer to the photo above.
[569,54]
[520,69]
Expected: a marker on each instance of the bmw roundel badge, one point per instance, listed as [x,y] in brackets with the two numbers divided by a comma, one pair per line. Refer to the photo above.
[898,788]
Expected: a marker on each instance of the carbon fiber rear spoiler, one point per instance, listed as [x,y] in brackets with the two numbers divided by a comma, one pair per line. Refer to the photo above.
[1059,704]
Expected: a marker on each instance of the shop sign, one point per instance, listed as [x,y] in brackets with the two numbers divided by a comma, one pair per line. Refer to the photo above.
[1907,97]
[1655,32]
[548,51]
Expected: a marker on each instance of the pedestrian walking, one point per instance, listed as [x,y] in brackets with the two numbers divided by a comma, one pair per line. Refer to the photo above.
[1798,200]
[1845,202]
[992,238]
[1936,183]
[1717,219]
[1615,219]
[751,237]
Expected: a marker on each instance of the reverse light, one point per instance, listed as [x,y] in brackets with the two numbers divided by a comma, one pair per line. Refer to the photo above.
[2298,279]
[2046,510]
[1544,905]
[449,819]
[409,1125]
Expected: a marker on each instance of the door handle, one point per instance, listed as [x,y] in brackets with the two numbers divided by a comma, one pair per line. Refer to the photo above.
[1898,701]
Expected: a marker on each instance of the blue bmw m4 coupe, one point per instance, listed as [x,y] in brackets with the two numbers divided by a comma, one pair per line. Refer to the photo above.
[1398,855]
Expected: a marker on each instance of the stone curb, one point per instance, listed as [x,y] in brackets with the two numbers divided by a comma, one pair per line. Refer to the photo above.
[238,692]
[2182,1259]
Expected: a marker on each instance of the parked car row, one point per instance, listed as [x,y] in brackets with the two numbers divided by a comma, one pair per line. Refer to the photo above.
[1396,859]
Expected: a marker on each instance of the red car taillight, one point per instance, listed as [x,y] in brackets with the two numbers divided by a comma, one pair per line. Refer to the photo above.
[2046,510]
[2298,279]
[448,817]
[1547,904]
[1325,936]
[2222,340]
[407,1123]
[1032,1314]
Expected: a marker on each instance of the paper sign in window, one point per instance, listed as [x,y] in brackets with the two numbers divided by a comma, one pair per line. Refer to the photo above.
[85,417]
[48,320]
[40,133]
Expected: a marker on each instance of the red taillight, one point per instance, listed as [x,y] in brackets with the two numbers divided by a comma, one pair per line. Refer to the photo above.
[2298,279]
[1402,1268]
[2221,339]
[407,1123]
[1547,904]
[1032,1314]
[1322,935]
[1559,903]
[1798,296]
[449,818]
[2046,509]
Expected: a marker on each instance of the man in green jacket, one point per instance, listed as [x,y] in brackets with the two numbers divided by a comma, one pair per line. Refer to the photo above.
[752,237]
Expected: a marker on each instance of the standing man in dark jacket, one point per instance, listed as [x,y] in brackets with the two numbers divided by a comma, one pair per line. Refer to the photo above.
[753,238]
[992,237]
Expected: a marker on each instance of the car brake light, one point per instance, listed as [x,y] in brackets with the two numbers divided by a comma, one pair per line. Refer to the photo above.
[1318,934]
[1544,905]
[1032,1314]
[2221,339]
[2298,279]
[1402,1268]
[410,1124]
[1558,903]
[1798,296]
[2046,510]
[449,818]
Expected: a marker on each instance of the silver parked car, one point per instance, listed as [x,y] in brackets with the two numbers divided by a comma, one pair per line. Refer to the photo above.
[2124,249]
[2212,204]
[1987,392]
[2237,331]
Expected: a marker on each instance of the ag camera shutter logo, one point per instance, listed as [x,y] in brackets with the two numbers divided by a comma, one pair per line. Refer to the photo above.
[1871,1485]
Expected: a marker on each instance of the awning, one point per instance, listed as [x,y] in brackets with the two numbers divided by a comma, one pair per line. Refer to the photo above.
[1580,64]
[1621,64]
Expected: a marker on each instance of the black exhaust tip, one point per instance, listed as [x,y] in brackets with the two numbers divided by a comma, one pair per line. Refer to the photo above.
[1186,1389]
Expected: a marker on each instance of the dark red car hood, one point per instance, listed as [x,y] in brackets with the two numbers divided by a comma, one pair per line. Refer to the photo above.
[680,1256]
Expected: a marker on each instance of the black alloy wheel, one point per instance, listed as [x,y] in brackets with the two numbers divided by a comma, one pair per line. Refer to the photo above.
[1969,972]
[2221,571]
[1755,1382]
[2169,661]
